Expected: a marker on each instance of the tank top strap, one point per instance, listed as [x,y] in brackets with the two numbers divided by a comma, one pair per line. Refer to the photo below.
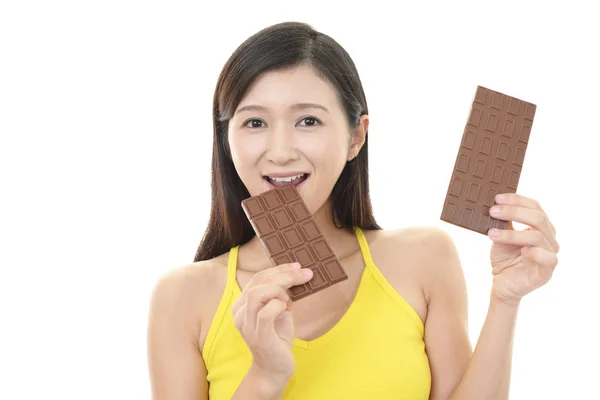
[221,314]
[384,283]
[364,248]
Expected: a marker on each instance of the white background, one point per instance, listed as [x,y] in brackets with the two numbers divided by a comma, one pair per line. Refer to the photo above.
[105,123]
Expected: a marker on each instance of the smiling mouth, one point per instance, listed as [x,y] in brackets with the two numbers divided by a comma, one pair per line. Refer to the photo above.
[283,181]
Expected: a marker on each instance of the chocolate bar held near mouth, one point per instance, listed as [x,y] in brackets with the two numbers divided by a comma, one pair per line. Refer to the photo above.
[289,233]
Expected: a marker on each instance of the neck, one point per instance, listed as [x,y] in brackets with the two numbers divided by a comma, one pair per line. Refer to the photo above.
[336,238]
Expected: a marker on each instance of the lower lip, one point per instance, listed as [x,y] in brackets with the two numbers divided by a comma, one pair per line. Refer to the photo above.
[298,186]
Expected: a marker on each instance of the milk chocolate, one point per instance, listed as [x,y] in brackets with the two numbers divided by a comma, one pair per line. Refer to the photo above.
[289,233]
[490,159]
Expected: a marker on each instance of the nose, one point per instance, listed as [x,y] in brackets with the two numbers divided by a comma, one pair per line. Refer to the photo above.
[281,147]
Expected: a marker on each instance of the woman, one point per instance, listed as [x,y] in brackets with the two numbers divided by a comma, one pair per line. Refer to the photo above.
[289,104]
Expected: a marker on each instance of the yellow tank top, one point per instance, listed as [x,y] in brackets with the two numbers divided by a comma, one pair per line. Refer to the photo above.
[375,351]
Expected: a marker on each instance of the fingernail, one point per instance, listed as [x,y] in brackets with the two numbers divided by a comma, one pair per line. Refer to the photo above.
[296,265]
[495,210]
[307,272]
[500,197]
[494,233]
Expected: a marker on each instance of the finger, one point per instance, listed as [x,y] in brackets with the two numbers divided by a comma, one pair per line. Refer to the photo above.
[239,317]
[534,218]
[288,279]
[260,277]
[278,269]
[518,200]
[532,238]
[265,319]
[522,201]
[543,257]
[260,295]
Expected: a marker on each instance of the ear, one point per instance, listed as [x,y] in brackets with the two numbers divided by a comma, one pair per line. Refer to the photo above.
[358,137]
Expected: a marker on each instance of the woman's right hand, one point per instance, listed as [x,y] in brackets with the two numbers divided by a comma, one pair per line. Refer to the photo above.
[263,316]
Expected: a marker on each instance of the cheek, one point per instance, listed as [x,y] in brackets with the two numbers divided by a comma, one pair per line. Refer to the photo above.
[245,150]
[330,152]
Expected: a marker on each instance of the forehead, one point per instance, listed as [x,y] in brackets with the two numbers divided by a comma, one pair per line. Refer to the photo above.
[286,87]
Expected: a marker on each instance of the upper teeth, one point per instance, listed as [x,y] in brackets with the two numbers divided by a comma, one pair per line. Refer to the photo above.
[287,179]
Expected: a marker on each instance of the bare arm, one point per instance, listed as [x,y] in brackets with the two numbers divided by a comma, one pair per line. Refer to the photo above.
[457,371]
[258,386]
[488,373]
[176,367]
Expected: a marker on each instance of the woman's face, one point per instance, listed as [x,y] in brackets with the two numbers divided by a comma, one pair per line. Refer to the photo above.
[290,125]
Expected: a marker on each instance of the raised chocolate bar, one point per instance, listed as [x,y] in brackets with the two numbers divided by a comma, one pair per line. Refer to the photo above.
[289,234]
[489,160]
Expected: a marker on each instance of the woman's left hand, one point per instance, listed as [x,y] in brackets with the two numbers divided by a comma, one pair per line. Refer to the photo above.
[523,260]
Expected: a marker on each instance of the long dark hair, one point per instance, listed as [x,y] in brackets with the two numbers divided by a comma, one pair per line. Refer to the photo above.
[280,46]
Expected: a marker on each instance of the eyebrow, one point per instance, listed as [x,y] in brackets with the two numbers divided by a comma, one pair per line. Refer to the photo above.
[299,106]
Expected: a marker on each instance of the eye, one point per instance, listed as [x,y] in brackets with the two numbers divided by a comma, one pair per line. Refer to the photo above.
[255,123]
[312,121]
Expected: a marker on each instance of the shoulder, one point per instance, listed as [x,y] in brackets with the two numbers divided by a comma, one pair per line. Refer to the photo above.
[420,241]
[184,281]
[185,291]
[429,251]
[427,235]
